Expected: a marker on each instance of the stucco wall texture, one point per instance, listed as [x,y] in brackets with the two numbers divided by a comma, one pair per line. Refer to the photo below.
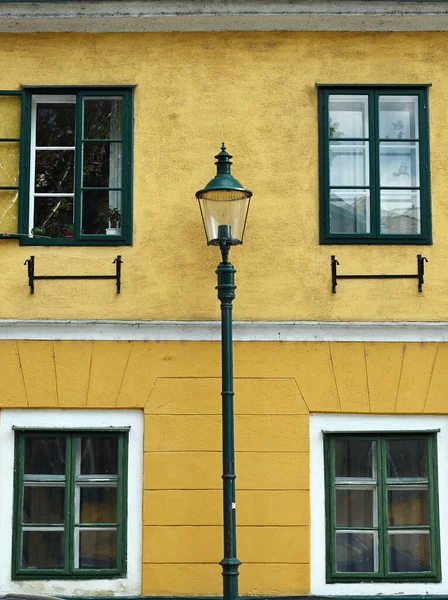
[177,385]
[257,92]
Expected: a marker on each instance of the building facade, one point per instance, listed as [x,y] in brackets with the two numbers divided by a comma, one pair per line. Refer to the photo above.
[110,412]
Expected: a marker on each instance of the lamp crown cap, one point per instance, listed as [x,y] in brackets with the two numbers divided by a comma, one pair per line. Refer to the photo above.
[223,158]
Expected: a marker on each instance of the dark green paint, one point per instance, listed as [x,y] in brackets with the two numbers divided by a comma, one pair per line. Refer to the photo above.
[375,236]
[223,179]
[69,571]
[383,573]
[265,597]
[81,92]
[226,294]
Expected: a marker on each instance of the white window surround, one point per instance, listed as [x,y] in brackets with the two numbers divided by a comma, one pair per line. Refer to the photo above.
[320,423]
[47,99]
[72,419]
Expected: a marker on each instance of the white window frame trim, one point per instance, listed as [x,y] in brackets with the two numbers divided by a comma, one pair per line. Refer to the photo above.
[336,423]
[130,584]
[35,100]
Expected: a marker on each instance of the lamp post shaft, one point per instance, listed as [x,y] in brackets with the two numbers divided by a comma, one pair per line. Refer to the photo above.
[226,294]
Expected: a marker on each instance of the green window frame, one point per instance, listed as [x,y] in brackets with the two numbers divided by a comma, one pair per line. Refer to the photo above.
[69,520]
[374,173]
[381,502]
[104,201]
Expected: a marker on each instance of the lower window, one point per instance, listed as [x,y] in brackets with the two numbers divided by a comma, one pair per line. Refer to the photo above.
[382,509]
[70,504]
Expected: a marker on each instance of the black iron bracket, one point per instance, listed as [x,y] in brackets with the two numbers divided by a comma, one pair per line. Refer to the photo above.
[30,262]
[419,275]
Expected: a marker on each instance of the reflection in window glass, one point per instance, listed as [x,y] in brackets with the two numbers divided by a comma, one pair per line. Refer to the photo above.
[354,458]
[45,456]
[348,116]
[407,458]
[350,211]
[398,117]
[356,552]
[409,552]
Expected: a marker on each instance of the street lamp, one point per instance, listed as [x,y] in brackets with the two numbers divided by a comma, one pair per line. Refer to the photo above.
[224,205]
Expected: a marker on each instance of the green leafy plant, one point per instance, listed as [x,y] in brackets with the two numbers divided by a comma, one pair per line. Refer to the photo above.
[114,217]
[39,231]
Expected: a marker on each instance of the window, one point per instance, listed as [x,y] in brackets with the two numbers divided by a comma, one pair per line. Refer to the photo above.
[70,504]
[75,182]
[374,165]
[381,507]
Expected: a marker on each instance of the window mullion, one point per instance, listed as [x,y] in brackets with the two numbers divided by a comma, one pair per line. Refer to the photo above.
[375,201]
[69,505]
[77,201]
[382,509]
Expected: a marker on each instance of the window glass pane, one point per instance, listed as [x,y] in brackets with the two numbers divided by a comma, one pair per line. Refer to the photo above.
[356,552]
[102,164]
[103,118]
[9,163]
[398,117]
[349,163]
[55,124]
[97,549]
[355,508]
[44,456]
[350,211]
[53,217]
[400,211]
[43,504]
[348,116]
[99,456]
[43,550]
[407,459]
[355,458]
[10,108]
[54,171]
[409,552]
[399,164]
[98,504]
[407,506]
[101,212]
[8,211]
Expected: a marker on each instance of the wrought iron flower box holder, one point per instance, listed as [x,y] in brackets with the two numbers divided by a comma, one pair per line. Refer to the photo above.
[30,262]
[419,275]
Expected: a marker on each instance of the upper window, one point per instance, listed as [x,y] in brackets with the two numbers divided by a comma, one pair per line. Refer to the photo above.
[381,502]
[374,165]
[75,182]
[70,504]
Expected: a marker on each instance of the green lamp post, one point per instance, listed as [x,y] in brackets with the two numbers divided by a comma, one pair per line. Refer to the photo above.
[224,205]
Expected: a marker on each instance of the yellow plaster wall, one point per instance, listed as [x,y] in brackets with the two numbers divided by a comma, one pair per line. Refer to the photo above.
[177,385]
[255,90]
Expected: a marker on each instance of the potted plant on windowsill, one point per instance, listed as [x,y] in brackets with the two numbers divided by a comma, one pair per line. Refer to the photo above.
[114,220]
[69,231]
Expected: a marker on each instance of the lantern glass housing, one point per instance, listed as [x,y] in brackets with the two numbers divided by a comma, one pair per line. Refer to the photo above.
[224,207]
[224,201]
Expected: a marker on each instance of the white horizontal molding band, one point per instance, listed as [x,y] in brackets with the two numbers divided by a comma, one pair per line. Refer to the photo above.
[243,331]
[216,15]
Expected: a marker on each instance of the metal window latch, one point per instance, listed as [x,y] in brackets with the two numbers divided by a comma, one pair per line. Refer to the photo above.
[420,275]
[30,262]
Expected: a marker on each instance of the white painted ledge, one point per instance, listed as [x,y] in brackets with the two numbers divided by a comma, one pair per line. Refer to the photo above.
[219,15]
[243,331]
